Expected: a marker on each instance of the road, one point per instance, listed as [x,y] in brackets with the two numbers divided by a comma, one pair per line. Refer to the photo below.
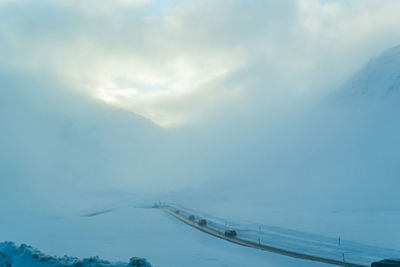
[237,240]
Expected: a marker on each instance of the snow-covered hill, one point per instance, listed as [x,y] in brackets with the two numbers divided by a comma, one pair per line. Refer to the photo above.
[329,167]
[381,76]
[56,143]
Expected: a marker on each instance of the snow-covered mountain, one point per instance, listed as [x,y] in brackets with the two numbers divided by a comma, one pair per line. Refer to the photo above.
[381,76]
[55,142]
[327,167]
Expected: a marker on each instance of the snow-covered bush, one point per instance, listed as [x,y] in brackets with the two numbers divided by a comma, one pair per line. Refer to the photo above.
[24,255]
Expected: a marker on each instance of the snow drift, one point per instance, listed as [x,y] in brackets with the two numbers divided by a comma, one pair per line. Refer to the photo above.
[24,255]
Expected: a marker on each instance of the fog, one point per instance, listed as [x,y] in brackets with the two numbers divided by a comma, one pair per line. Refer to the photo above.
[271,112]
[181,62]
[57,141]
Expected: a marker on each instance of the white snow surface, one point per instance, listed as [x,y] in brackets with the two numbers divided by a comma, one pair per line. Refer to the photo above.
[126,231]
[123,230]
[381,76]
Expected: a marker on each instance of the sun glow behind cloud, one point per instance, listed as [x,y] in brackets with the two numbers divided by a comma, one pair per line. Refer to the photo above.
[176,62]
[159,93]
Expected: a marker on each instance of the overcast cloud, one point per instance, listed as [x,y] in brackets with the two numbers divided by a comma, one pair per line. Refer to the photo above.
[177,62]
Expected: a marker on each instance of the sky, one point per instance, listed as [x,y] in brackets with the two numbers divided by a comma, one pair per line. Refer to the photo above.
[181,62]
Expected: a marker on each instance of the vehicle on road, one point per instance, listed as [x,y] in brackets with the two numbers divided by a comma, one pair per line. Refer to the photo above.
[387,263]
[177,211]
[230,233]
[202,222]
[191,217]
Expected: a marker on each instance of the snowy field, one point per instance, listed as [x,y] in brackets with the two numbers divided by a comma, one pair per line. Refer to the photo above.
[124,231]
[132,232]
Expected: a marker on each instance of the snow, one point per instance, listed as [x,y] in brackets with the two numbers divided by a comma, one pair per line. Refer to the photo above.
[381,76]
[294,241]
[26,256]
[128,231]
[68,167]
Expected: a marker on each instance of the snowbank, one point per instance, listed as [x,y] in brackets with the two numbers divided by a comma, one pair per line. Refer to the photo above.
[11,255]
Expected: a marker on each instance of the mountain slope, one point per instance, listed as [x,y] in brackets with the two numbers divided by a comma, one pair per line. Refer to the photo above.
[328,167]
[55,142]
[381,76]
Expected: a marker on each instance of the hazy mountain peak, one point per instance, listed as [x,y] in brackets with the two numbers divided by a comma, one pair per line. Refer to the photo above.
[381,76]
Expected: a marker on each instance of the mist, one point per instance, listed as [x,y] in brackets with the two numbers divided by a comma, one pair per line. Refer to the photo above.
[279,113]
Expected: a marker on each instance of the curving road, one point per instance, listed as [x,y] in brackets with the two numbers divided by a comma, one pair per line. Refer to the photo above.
[247,243]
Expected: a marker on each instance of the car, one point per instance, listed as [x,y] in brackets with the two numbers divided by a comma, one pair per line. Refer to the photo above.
[202,222]
[230,233]
[191,217]
[387,263]
[177,211]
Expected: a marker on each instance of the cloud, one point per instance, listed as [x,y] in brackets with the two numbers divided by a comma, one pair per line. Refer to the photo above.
[176,61]
[105,6]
